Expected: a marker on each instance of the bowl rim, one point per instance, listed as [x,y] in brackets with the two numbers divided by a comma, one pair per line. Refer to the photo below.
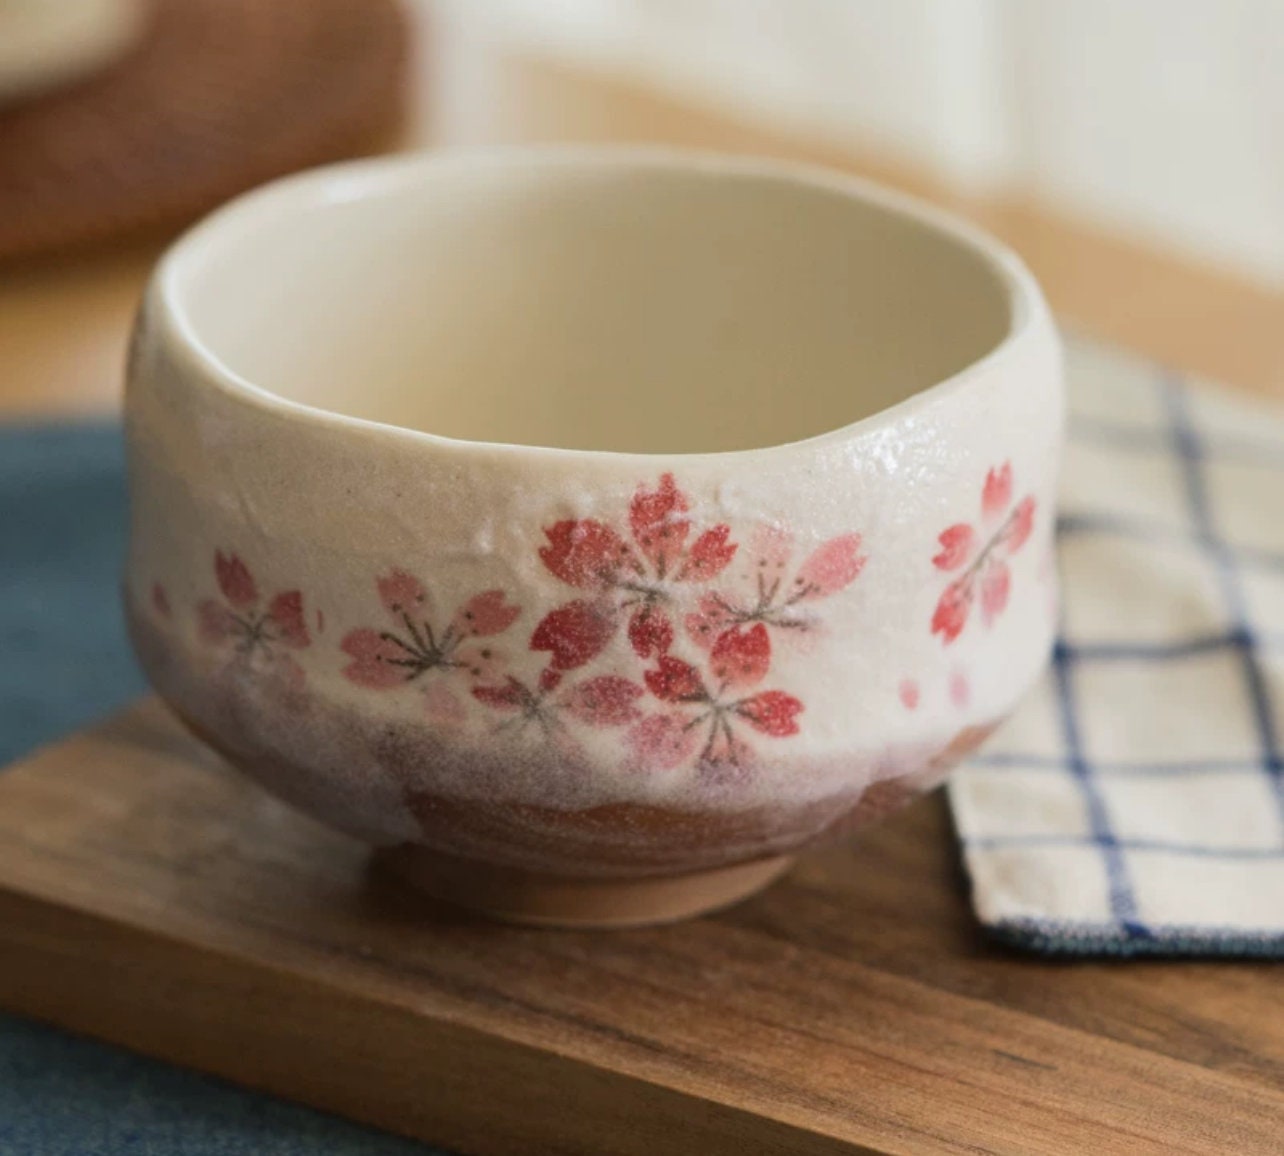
[1028,314]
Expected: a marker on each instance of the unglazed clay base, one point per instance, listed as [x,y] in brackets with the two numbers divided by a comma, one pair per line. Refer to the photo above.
[598,527]
[516,896]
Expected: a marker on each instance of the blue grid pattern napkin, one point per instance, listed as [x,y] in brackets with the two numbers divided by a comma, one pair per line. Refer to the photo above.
[1135,802]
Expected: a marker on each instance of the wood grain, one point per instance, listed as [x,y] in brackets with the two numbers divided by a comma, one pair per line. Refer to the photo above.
[149,897]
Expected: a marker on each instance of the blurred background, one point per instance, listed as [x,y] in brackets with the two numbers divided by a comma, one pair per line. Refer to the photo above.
[1133,153]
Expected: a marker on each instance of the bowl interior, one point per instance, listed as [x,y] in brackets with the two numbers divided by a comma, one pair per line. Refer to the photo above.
[612,304]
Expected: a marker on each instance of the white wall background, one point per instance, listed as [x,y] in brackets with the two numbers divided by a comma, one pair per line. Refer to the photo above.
[1164,118]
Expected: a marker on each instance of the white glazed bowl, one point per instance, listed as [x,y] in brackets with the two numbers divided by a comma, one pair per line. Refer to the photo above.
[591,529]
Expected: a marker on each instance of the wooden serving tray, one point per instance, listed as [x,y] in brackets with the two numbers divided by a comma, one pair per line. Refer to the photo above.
[151,898]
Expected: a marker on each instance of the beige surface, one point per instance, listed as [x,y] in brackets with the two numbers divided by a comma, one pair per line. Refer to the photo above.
[63,327]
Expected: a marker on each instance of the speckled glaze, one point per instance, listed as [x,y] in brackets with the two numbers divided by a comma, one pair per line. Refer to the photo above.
[543,517]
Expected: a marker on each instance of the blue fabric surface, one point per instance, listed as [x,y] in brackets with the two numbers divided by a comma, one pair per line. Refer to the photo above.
[64,661]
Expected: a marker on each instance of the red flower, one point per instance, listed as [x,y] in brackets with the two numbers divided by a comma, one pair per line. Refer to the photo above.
[378,660]
[386,658]
[485,614]
[400,593]
[834,565]
[575,633]
[650,632]
[662,742]
[676,681]
[235,580]
[740,658]
[587,554]
[605,701]
[982,556]
[239,617]
[773,712]
[709,556]
[635,575]
[659,529]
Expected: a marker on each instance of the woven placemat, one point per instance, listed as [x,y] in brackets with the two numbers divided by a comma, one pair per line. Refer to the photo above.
[218,96]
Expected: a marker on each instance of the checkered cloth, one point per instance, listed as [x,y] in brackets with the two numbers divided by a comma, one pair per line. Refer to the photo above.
[1135,803]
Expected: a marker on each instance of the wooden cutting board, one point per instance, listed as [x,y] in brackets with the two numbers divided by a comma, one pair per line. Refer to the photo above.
[151,898]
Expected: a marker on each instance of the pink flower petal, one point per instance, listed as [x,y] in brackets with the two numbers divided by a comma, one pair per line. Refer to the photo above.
[952,610]
[481,662]
[575,633]
[996,584]
[771,547]
[401,593]
[374,660]
[960,689]
[831,567]
[650,632]
[909,694]
[773,712]
[655,517]
[958,544]
[1020,525]
[709,555]
[549,679]
[711,617]
[235,580]
[586,554]
[662,741]
[997,492]
[741,657]
[676,681]
[286,613]
[605,701]
[215,622]
[485,614]
[512,695]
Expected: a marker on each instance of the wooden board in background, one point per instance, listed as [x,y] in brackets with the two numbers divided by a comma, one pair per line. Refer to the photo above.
[150,898]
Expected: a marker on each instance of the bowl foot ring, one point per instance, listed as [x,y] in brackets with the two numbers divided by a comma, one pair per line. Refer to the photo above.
[516,896]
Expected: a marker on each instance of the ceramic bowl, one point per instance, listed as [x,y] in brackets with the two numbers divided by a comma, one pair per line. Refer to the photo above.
[590,530]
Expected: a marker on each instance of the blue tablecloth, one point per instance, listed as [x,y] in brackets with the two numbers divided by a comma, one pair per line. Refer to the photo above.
[64,661]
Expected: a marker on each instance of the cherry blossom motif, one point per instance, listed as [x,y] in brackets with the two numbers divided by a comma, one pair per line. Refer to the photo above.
[779,600]
[633,576]
[381,659]
[240,618]
[607,700]
[709,707]
[909,694]
[981,554]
